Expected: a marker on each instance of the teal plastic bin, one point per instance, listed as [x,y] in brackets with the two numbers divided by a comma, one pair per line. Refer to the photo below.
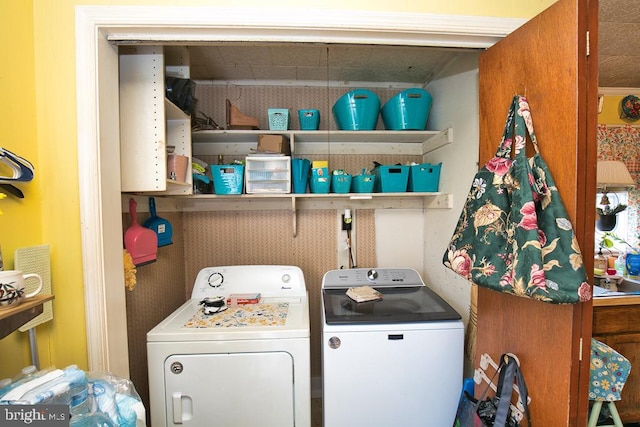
[300,174]
[391,179]
[407,110]
[227,179]
[362,183]
[320,181]
[340,183]
[357,110]
[309,119]
[424,177]
[278,118]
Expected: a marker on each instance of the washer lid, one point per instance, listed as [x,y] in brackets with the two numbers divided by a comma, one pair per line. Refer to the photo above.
[398,304]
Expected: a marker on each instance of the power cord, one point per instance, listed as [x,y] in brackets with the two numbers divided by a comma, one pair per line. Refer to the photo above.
[347,224]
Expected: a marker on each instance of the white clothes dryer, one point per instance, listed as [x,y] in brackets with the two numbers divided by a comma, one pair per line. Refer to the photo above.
[244,365]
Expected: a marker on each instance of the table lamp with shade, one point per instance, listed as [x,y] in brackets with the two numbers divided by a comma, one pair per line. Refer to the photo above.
[611,175]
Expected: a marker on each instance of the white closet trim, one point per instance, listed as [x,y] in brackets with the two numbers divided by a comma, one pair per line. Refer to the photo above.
[99,27]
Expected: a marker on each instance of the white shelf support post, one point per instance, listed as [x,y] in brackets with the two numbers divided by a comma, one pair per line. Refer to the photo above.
[294,216]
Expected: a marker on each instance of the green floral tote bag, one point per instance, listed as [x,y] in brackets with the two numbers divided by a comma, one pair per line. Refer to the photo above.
[514,235]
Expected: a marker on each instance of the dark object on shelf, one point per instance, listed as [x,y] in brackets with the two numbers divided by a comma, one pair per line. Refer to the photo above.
[181,92]
[236,120]
[630,106]
[204,123]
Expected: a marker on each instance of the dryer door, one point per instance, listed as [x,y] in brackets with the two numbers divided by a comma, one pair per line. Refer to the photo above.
[236,389]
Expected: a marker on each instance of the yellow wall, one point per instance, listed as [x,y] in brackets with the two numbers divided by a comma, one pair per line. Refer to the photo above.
[37,83]
[611,112]
[21,222]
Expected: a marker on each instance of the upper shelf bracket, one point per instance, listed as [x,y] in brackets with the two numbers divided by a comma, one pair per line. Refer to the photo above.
[438,141]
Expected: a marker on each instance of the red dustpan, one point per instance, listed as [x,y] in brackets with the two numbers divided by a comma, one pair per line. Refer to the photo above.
[140,242]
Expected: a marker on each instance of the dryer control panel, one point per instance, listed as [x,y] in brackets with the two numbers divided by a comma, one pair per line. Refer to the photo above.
[268,280]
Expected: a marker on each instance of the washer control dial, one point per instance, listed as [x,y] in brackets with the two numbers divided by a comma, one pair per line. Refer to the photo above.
[372,274]
[215,279]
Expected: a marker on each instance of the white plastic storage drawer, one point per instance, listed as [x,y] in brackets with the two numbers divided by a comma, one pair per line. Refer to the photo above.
[268,174]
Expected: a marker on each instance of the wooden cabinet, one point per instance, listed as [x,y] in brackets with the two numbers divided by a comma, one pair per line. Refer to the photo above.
[618,327]
[150,123]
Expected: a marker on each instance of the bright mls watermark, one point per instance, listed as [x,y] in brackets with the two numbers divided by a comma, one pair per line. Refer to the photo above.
[34,415]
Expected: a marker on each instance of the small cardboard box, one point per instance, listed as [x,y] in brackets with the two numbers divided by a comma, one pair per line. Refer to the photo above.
[268,143]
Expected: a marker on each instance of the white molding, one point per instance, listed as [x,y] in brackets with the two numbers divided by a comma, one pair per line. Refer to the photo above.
[90,191]
[618,91]
[190,24]
[107,348]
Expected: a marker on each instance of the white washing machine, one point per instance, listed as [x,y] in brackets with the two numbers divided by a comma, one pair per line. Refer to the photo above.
[242,365]
[397,361]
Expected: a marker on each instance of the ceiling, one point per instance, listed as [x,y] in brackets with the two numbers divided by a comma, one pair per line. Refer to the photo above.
[618,52]
[619,43]
[318,62]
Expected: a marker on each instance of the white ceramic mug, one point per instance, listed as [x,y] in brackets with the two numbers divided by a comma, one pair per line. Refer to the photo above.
[12,287]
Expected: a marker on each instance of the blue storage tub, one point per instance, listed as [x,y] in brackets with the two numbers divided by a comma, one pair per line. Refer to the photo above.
[227,179]
[357,110]
[407,110]
[424,177]
[362,183]
[320,181]
[341,183]
[391,179]
[300,169]
[309,119]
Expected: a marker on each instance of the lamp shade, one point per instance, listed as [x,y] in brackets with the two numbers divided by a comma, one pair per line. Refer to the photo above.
[613,174]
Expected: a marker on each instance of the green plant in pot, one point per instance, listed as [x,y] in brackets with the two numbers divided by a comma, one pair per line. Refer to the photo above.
[607,216]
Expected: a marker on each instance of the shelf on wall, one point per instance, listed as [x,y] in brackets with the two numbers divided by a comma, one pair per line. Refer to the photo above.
[242,142]
[307,201]
[13,317]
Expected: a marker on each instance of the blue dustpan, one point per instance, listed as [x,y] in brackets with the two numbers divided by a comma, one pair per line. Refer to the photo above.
[160,226]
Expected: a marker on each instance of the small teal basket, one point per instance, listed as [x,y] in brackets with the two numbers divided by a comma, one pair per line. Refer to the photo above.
[227,179]
[320,181]
[424,177]
[363,183]
[309,119]
[278,118]
[340,183]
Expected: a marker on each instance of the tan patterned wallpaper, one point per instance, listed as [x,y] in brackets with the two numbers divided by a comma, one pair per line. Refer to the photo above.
[236,238]
[204,239]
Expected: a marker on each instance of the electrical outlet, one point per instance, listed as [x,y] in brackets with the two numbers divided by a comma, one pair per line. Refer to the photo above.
[346,222]
[342,245]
